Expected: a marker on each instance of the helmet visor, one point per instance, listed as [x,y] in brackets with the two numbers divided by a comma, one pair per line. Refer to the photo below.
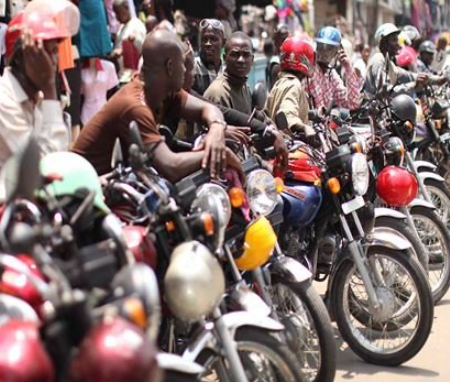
[326,52]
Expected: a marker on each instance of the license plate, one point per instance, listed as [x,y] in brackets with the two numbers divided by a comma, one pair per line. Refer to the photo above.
[353,205]
[445,137]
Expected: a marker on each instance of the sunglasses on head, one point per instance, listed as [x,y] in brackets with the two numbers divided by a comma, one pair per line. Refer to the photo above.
[213,23]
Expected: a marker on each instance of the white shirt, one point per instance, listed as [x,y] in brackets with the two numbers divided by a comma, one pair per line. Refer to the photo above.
[21,117]
[94,86]
[135,28]
[2,39]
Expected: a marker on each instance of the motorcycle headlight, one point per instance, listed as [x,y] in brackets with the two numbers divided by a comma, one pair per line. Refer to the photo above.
[360,174]
[261,192]
[214,199]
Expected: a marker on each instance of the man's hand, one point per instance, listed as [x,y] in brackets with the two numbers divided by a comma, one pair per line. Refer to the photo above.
[238,133]
[40,66]
[116,53]
[343,58]
[234,161]
[214,146]
[281,150]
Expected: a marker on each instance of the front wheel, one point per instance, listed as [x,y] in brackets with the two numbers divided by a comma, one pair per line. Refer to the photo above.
[303,312]
[264,357]
[386,338]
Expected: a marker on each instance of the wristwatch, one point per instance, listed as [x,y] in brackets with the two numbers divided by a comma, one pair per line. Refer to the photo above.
[220,122]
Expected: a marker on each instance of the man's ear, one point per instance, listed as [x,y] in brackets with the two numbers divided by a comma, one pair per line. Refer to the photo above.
[169,67]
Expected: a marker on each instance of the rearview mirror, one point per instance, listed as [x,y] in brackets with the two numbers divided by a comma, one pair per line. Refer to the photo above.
[135,135]
[259,96]
[281,121]
[117,155]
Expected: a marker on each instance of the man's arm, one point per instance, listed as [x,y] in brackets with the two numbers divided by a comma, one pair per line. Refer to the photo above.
[197,110]
[51,134]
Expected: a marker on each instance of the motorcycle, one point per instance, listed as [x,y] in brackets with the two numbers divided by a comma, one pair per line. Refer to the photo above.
[324,227]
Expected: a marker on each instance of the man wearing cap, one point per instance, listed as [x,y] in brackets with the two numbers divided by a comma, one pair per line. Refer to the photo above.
[326,85]
[387,37]
[28,102]
[209,63]
[427,51]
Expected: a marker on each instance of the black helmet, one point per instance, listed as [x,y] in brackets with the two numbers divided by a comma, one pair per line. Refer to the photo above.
[428,47]
[394,151]
[404,108]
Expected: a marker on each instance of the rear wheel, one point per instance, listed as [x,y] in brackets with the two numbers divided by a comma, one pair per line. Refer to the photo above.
[386,338]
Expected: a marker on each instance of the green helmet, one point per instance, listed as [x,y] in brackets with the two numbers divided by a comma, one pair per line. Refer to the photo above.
[76,173]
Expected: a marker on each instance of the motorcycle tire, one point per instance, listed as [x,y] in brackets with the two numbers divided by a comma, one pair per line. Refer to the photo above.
[439,281]
[319,321]
[406,232]
[423,306]
[259,341]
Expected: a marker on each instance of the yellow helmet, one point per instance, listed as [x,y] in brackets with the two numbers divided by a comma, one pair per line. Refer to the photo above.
[403,39]
[260,240]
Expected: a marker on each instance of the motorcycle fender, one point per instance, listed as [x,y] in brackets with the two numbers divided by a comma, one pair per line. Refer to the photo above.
[290,270]
[387,238]
[206,339]
[388,212]
[424,164]
[235,320]
[431,175]
[248,301]
[417,202]
[173,362]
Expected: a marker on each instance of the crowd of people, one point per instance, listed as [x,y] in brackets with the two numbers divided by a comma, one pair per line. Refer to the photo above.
[151,76]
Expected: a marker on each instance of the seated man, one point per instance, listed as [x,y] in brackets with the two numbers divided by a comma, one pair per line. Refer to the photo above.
[325,84]
[288,94]
[28,99]
[147,100]
[230,90]
[208,64]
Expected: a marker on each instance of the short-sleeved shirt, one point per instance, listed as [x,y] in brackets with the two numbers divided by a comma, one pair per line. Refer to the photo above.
[96,141]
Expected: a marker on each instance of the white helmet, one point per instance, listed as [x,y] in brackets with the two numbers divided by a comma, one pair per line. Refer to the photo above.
[385,30]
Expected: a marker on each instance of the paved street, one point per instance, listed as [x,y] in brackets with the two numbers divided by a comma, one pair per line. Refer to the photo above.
[431,364]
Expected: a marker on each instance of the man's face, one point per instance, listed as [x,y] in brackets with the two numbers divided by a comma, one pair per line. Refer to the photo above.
[279,38]
[326,53]
[239,58]
[122,13]
[366,53]
[211,42]
[427,58]
[392,44]
[147,6]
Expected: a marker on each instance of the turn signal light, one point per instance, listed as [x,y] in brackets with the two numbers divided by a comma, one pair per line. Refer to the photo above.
[438,124]
[334,185]
[237,197]
[170,226]
[356,147]
[409,126]
[135,310]
[279,184]
[208,223]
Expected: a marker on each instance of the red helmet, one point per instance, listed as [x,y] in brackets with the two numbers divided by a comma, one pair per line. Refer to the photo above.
[396,186]
[298,55]
[12,34]
[46,20]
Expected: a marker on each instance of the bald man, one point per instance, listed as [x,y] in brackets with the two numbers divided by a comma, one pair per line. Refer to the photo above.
[230,88]
[148,99]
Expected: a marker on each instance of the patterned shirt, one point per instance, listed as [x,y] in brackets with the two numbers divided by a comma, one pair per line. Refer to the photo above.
[323,87]
[203,76]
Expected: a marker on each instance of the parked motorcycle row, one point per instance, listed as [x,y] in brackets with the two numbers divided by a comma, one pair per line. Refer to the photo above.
[131,278]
